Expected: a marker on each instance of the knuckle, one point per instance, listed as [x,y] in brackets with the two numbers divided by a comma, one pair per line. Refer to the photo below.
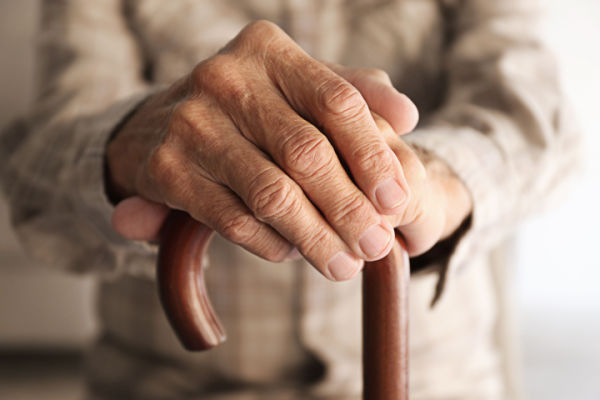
[215,66]
[273,198]
[353,207]
[307,153]
[162,167]
[182,112]
[239,228]
[261,29]
[254,38]
[414,170]
[203,71]
[413,212]
[311,243]
[274,253]
[373,157]
[217,74]
[340,98]
[183,122]
[383,126]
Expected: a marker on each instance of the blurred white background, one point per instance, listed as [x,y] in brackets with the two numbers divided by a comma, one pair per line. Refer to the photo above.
[558,271]
[557,275]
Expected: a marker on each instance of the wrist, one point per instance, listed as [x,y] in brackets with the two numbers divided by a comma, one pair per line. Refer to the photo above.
[134,136]
[119,163]
[455,198]
[459,204]
[114,183]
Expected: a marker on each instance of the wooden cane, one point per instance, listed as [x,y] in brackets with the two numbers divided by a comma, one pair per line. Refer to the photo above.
[385,305]
[385,326]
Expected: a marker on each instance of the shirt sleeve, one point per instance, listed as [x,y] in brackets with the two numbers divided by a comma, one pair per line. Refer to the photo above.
[504,127]
[52,161]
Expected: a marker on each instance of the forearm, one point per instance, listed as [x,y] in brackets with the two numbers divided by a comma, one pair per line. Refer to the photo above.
[53,165]
[53,179]
[504,128]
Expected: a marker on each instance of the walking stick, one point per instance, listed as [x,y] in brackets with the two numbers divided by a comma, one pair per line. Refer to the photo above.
[385,305]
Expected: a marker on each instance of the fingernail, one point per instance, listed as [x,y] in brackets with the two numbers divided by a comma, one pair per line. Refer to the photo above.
[389,194]
[374,240]
[343,266]
[293,255]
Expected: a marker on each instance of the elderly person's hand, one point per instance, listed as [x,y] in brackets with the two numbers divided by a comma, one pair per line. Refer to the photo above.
[439,201]
[254,143]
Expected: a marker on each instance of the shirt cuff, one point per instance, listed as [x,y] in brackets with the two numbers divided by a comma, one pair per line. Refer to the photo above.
[93,203]
[475,160]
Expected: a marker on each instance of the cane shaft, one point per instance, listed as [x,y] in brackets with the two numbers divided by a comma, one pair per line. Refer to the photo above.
[385,327]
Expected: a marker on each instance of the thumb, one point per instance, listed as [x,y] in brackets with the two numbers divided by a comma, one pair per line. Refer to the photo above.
[136,218]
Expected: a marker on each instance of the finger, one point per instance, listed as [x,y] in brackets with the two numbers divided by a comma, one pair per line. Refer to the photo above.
[180,183]
[337,107]
[310,160]
[270,196]
[221,210]
[381,96]
[423,219]
[136,218]
[278,201]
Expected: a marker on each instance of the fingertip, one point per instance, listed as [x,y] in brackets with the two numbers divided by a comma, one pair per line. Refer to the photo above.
[384,99]
[401,113]
[138,219]
[391,195]
[409,114]
[343,266]
[395,107]
[376,241]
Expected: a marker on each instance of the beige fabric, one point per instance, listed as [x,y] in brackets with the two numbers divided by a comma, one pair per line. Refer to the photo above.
[490,106]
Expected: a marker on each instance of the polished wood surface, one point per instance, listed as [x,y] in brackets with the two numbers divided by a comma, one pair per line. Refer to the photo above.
[385,305]
[181,285]
[385,326]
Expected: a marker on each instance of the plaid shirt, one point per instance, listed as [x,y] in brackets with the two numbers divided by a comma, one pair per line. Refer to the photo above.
[490,107]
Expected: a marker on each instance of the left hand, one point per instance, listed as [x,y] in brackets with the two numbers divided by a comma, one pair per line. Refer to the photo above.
[439,201]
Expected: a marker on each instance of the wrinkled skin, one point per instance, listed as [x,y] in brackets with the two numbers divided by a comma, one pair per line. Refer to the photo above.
[281,153]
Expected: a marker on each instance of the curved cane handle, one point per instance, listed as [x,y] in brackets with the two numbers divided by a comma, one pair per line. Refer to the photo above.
[181,285]
[385,305]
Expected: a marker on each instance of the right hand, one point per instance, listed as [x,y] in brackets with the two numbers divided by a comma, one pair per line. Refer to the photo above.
[248,144]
